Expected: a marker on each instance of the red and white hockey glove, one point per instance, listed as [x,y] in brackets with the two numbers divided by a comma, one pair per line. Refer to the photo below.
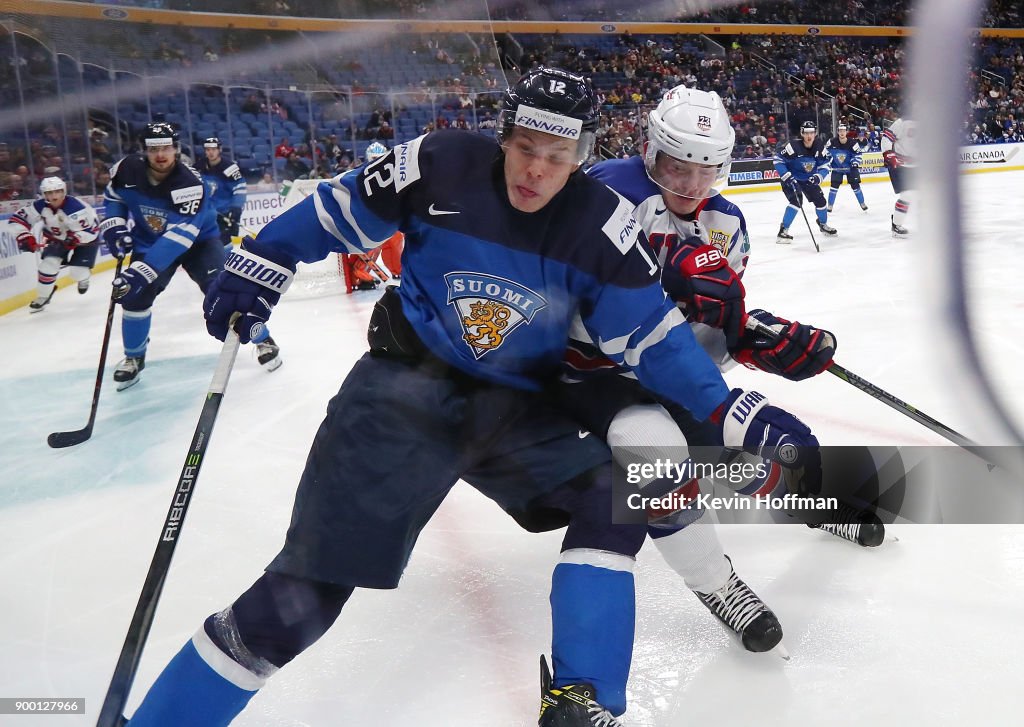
[27,242]
[698,276]
[796,351]
[891,159]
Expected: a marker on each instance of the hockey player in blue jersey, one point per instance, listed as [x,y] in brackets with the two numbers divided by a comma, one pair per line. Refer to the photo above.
[227,188]
[844,158]
[802,164]
[70,231]
[507,247]
[174,225]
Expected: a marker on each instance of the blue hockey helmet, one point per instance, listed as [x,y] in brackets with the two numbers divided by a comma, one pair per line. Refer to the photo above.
[211,142]
[160,133]
[808,126]
[552,101]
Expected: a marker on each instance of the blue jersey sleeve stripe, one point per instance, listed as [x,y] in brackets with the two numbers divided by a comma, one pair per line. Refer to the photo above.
[327,221]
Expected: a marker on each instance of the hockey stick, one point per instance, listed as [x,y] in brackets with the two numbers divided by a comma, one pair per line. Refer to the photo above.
[58,440]
[883,396]
[804,212]
[111,714]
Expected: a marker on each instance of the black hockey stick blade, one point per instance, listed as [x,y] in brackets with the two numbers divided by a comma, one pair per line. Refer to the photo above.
[58,440]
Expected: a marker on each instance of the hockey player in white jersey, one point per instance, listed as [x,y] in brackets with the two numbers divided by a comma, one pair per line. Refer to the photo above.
[69,229]
[702,243]
[899,152]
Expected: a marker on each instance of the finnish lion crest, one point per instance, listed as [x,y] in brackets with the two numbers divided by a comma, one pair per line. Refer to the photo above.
[490,308]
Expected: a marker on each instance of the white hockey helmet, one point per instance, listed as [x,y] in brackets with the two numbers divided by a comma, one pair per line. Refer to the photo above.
[375,151]
[52,184]
[690,125]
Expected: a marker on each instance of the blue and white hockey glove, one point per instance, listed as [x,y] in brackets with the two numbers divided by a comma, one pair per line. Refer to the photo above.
[116,236]
[134,279]
[250,285]
[748,422]
[814,179]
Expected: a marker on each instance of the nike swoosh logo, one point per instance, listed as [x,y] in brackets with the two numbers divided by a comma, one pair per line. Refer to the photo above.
[130,186]
[584,434]
[434,211]
[661,211]
[374,328]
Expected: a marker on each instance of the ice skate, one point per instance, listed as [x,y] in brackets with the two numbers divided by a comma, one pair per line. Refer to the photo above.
[41,302]
[863,528]
[783,238]
[863,206]
[899,230]
[827,229]
[128,371]
[828,209]
[269,354]
[573,705]
[746,615]
[83,286]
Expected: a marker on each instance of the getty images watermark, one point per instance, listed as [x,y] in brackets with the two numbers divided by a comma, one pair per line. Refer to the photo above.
[735,473]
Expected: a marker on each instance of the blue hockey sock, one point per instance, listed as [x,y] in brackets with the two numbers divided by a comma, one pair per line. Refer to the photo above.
[592,616]
[262,336]
[860,194]
[832,192]
[199,690]
[788,216]
[135,331]
[822,214]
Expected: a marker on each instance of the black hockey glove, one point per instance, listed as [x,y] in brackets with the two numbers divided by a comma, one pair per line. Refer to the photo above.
[134,279]
[116,236]
[796,351]
[251,283]
[699,277]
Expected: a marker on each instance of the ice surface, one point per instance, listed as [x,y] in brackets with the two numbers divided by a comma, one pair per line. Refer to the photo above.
[926,630]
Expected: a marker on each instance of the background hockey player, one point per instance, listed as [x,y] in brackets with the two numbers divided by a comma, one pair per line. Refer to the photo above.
[174,225]
[802,164]
[898,153]
[844,158]
[361,271]
[69,230]
[227,188]
[523,245]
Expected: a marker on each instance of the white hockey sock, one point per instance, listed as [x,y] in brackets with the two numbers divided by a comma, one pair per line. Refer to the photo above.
[694,552]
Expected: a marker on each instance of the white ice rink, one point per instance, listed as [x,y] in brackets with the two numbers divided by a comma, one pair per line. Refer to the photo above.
[927,630]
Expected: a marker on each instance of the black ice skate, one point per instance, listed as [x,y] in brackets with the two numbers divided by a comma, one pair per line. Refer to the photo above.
[746,615]
[829,208]
[83,286]
[861,527]
[570,706]
[269,354]
[39,303]
[783,238]
[827,229]
[899,230]
[863,206]
[128,371]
